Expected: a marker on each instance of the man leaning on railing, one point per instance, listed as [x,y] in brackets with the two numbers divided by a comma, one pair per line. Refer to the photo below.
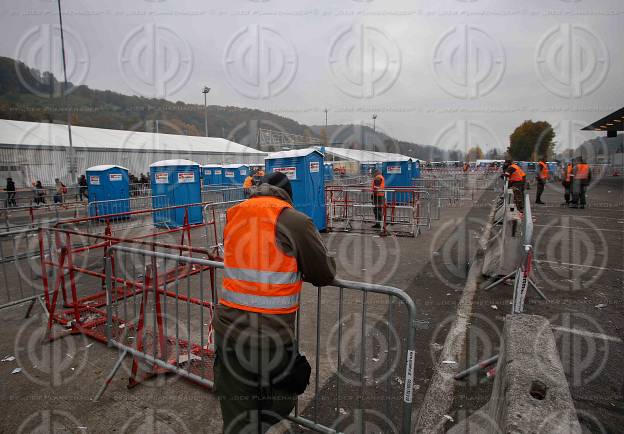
[269,250]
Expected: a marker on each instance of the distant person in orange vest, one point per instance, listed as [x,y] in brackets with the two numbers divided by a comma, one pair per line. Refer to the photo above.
[582,178]
[516,180]
[247,184]
[566,181]
[542,178]
[378,197]
[257,178]
[466,167]
[270,249]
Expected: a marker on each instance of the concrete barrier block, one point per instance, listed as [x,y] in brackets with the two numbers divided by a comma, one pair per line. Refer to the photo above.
[530,392]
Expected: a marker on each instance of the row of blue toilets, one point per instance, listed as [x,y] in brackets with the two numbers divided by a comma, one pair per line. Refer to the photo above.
[177,183]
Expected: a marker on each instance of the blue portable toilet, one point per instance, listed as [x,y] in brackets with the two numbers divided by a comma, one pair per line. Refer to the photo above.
[415,169]
[178,181]
[234,174]
[212,174]
[329,172]
[108,189]
[304,168]
[397,173]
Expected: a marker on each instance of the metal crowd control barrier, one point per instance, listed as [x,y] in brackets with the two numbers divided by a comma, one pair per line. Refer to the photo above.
[32,216]
[21,255]
[350,180]
[165,325]
[223,193]
[402,212]
[134,203]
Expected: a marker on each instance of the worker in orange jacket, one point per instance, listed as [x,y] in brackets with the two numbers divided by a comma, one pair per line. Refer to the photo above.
[248,183]
[378,197]
[270,249]
[582,178]
[566,181]
[516,180]
[542,178]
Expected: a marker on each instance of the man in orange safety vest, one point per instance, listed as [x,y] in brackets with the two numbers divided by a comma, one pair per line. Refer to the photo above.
[542,178]
[581,179]
[379,198]
[270,249]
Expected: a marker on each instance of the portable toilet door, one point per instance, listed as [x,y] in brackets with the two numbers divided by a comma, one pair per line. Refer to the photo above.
[217,175]
[108,189]
[235,174]
[207,171]
[304,169]
[328,174]
[415,169]
[179,182]
[397,173]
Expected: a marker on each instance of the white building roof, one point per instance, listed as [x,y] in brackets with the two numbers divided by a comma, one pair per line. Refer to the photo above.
[168,163]
[234,166]
[103,167]
[364,156]
[291,154]
[46,134]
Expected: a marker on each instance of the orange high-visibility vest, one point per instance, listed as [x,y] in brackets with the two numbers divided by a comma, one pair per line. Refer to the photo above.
[568,173]
[381,186]
[543,172]
[258,276]
[517,175]
[248,182]
[581,171]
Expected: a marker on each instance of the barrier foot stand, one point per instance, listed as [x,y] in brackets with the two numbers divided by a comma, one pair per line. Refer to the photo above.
[481,365]
[497,282]
[30,307]
[43,306]
[536,289]
[100,392]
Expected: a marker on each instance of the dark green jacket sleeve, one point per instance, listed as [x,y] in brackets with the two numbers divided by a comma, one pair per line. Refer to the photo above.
[297,236]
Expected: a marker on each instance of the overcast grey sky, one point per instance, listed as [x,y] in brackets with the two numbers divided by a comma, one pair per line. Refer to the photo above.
[448,72]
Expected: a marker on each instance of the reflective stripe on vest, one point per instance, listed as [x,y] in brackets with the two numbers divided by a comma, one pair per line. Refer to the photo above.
[258,275]
[581,171]
[256,302]
[517,175]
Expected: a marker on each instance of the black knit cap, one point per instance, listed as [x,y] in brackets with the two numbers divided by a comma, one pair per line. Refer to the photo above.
[280,180]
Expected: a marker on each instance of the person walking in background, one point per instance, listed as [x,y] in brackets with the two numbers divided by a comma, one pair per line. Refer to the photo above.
[248,183]
[270,249]
[59,191]
[10,189]
[581,179]
[542,178]
[378,198]
[39,193]
[82,183]
[566,181]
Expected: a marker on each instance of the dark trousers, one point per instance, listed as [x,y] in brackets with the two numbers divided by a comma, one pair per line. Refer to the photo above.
[518,192]
[540,190]
[567,191]
[378,210]
[11,199]
[249,404]
[578,193]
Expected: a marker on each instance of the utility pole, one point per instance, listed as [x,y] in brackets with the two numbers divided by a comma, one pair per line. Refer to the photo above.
[325,120]
[374,133]
[205,91]
[72,159]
